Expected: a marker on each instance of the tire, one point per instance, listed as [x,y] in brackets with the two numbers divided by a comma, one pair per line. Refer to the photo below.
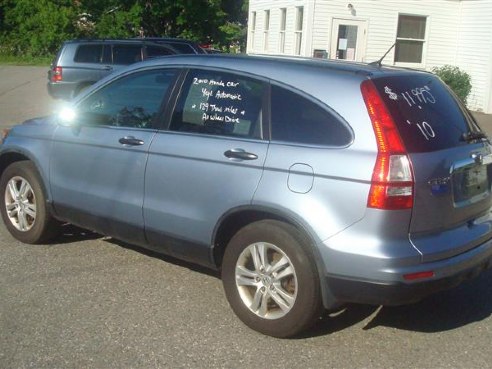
[279,294]
[24,209]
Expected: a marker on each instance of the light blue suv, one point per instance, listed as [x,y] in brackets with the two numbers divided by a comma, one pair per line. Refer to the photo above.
[309,184]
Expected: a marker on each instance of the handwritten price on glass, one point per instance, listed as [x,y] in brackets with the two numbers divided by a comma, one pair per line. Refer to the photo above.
[415,97]
[425,128]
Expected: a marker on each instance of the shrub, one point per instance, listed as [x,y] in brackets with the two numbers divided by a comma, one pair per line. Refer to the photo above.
[458,80]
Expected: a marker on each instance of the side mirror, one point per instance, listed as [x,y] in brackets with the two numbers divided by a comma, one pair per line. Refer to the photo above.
[67,116]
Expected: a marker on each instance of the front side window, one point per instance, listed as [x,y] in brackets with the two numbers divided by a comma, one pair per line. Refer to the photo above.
[89,53]
[410,39]
[132,101]
[296,119]
[218,103]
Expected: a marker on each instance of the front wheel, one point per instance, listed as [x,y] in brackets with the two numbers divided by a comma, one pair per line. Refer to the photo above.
[24,210]
[270,279]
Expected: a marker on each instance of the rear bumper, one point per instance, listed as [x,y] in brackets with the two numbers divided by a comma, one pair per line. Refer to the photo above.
[448,273]
[61,90]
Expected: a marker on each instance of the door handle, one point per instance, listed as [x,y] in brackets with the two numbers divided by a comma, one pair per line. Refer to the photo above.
[130,141]
[108,67]
[240,154]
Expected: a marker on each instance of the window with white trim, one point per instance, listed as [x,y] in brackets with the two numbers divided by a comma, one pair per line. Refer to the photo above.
[253,29]
[298,29]
[266,28]
[283,22]
[410,39]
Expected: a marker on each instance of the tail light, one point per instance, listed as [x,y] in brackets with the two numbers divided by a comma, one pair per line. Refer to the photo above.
[392,179]
[56,74]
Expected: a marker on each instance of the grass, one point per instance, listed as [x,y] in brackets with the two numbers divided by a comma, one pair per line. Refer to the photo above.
[24,60]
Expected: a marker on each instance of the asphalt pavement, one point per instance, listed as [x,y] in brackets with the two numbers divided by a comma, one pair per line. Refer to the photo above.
[87,301]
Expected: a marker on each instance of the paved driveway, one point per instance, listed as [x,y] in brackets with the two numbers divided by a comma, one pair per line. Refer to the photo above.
[92,302]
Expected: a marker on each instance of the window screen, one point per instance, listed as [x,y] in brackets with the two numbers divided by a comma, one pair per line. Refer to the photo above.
[296,119]
[219,103]
[410,39]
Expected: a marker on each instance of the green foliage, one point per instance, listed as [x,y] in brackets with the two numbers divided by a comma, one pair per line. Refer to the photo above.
[458,80]
[37,27]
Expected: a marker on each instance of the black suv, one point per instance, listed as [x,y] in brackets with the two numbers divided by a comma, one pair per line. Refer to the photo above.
[80,63]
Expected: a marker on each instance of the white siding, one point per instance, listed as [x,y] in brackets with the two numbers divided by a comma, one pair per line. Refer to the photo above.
[474,54]
[457,33]
[274,34]
[382,20]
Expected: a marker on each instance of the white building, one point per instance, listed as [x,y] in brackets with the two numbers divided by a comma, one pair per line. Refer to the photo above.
[428,33]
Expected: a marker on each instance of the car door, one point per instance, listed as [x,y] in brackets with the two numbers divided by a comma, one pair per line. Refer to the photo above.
[209,162]
[98,161]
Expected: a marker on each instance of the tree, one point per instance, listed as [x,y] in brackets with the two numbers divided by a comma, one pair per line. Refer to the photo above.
[38,27]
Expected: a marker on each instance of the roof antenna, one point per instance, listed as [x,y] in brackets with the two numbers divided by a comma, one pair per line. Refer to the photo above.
[379,63]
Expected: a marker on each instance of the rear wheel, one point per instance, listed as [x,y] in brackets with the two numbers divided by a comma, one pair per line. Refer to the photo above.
[271,280]
[24,210]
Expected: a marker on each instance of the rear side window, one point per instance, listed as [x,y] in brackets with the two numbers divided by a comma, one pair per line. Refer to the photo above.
[127,54]
[297,119]
[155,51]
[89,53]
[427,115]
[182,47]
[218,103]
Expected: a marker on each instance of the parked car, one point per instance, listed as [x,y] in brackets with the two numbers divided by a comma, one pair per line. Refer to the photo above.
[80,63]
[182,45]
[307,183]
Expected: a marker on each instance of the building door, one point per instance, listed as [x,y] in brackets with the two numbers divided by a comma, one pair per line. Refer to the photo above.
[348,41]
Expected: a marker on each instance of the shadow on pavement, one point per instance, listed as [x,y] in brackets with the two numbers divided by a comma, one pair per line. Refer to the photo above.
[70,233]
[166,258]
[468,303]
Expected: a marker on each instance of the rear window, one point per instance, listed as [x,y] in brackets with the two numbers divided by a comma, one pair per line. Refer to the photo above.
[426,113]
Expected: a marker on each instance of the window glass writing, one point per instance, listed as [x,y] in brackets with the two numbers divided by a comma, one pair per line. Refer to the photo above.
[425,112]
[220,104]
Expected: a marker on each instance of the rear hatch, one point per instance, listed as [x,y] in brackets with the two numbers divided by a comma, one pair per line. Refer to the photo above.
[451,160]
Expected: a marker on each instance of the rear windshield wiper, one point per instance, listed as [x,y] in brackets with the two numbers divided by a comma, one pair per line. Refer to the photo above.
[473,136]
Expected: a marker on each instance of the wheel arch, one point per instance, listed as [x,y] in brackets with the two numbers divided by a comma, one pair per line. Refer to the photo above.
[10,157]
[239,217]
